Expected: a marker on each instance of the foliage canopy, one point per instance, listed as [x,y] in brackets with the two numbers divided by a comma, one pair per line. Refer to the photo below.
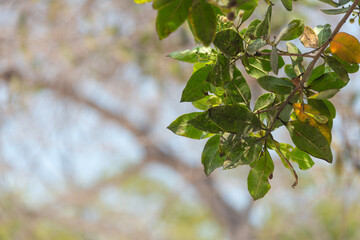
[297,100]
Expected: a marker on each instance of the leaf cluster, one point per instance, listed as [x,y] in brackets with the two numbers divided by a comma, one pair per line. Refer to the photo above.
[298,100]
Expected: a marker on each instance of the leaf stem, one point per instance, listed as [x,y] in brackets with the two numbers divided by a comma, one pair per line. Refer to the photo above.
[287,162]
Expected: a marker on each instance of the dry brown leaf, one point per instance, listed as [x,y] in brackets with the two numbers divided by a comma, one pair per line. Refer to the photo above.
[309,38]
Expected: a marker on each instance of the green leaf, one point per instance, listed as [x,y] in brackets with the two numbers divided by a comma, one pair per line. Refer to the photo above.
[204,123]
[256,45]
[157,4]
[302,159]
[349,67]
[258,179]
[198,54]
[335,11]
[293,30]
[237,90]
[220,73]
[316,73]
[339,69]
[327,94]
[207,102]
[327,81]
[250,31]
[289,71]
[235,118]
[210,157]
[203,21]
[141,1]
[263,28]
[331,108]
[323,32]
[239,150]
[287,4]
[283,151]
[247,4]
[343,2]
[264,101]
[197,86]
[171,16]
[274,60]
[322,107]
[229,42]
[309,139]
[247,14]
[260,65]
[181,127]
[296,60]
[277,85]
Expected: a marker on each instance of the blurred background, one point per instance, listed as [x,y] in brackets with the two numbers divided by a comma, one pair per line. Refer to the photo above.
[86,94]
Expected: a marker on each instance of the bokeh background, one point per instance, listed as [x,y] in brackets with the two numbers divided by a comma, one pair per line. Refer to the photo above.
[86,94]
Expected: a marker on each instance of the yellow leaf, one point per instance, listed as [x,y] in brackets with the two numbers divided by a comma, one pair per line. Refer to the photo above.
[309,38]
[306,113]
[346,47]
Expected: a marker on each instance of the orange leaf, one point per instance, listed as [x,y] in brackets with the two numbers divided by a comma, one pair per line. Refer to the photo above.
[346,47]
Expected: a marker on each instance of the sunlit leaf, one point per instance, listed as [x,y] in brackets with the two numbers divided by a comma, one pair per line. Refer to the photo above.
[346,47]
[247,4]
[171,17]
[323,32]
[309,38]
[198,54]
[196,86]
[287,4]
[203,21]
[207,102]
[142,1]
[181,127]
[301,158]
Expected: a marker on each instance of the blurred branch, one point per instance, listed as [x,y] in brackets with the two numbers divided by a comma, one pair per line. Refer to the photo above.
[232,220]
